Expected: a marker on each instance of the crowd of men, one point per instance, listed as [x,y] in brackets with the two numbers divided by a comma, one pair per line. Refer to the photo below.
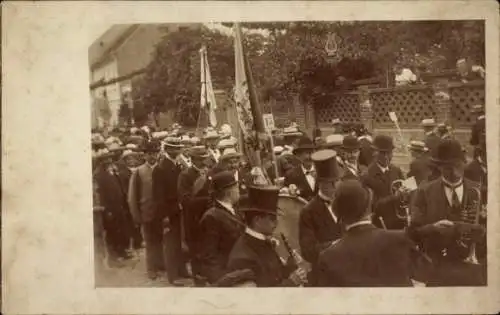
[202,215]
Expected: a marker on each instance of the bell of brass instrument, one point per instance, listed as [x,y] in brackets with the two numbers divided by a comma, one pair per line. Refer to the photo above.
[470,214]
[403,211]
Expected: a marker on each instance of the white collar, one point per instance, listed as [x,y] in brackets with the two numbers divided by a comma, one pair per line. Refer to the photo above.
[358,223]
[382,168]
[304,169]
[227,206]
[480,117]
[323,197]
[255,234]
[458,183]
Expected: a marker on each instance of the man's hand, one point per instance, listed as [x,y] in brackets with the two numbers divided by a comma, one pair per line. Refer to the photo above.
[299,276]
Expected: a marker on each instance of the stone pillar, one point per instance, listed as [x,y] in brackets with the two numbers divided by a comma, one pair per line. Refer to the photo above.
[365,108]
[442,101]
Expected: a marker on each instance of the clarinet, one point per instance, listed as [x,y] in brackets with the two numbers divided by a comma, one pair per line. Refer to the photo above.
[297,258]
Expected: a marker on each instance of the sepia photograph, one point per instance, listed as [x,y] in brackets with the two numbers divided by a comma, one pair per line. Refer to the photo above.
[315,154]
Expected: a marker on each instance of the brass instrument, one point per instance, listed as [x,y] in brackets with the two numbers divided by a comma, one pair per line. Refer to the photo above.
[403,211]
[470,214]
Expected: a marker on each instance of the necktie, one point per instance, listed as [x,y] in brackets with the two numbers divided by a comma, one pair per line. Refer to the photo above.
[310,172]
[455,202]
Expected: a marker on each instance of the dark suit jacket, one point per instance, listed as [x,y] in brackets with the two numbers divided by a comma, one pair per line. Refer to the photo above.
[317,229]
[219,230]
[348,174]
[165,178]
[385,203]
[477,131]
[287,162]
[296,176]
[419,168]
[367,256]
[260,257]
[194,203]
[430,205]
[111,192]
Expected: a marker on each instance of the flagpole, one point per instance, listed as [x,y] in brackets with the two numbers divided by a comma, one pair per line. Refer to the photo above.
[204,86]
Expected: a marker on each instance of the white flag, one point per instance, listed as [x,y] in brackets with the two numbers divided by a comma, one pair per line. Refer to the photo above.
[207,97]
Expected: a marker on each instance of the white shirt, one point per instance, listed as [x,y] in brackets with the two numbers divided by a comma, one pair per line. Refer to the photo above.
[310,179]
[448,191]
[353,168]
[362,222]
[255,234]
[236,176]
[227,206]
[215,153]
[329,207]
[383,169]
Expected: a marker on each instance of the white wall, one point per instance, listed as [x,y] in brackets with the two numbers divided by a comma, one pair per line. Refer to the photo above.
[107,72]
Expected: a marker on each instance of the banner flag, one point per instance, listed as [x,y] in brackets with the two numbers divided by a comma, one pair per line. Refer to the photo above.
[207,97]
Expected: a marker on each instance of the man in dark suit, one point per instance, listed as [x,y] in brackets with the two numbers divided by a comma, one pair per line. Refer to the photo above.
[365,256]
[444,221]
[431,139]
[165,177]
[194,195]
[114,202]
[419,166]
[219,228]
[379,178]
[365,150]
[352,168]
[303,177]
[318,224]
[255,249]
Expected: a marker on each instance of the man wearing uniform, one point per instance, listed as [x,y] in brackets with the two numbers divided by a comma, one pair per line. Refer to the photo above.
[303,177]
[431,139]
[419,166]
[318,224]
[444,221]
[165,177]
[193,195]
[379,178]
[255,249]
[220,227]
[365,256]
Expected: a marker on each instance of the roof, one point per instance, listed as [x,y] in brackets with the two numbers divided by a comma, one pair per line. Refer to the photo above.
[108,41]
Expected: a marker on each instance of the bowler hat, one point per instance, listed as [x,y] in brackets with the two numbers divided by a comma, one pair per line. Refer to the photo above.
[223,180]
[350,143]
[305,144]
[262,199]
[199,152]
[325,162]
[383,143]
[448,151]
[229,153]
[351,200]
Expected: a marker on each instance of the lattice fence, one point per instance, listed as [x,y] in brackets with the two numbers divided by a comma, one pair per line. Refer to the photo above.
[410,104]
[463,98]
[342,106]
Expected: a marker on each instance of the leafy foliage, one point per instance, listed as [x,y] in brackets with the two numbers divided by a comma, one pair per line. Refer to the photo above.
[289,58]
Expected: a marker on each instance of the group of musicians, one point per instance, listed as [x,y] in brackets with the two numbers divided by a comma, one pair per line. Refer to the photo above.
[203,215]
